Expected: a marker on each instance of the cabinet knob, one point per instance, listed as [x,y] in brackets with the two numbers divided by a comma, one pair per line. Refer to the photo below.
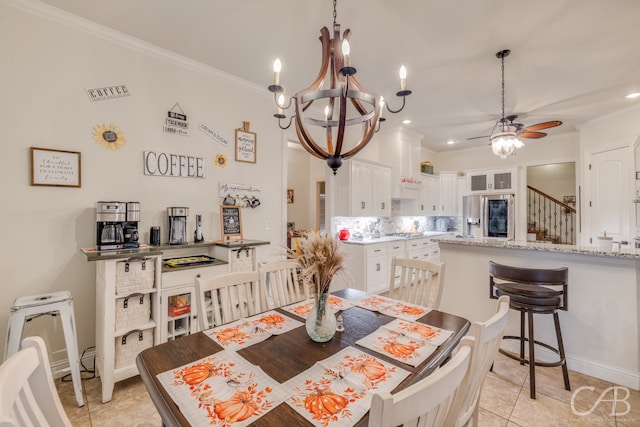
[362,205]
[198,275]
[377,266]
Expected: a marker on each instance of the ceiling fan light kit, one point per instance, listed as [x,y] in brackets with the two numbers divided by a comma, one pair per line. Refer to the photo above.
[505,137]
[347,104]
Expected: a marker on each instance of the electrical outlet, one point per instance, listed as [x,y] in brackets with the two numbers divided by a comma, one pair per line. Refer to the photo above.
[268,225]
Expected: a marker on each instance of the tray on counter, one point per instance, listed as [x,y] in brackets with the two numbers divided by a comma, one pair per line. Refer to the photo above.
[187,261]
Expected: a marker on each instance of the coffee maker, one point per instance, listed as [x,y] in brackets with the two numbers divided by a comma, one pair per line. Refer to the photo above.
[131,225]
[177,225]
[110,220]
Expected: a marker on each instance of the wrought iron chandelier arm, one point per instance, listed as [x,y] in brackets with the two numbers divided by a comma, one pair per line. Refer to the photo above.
[287,126]
[404,98]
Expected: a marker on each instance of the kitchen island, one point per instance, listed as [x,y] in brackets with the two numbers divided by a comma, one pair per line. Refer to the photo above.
[600,329]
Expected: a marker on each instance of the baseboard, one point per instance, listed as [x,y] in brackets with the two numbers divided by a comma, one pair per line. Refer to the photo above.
[61,368]
[607,373]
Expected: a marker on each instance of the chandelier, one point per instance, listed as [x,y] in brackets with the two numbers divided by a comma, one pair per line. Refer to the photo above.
[350,113]
[504,141]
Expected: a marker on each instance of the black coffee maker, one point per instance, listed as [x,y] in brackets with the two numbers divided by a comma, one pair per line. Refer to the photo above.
[110,220]
[130,226]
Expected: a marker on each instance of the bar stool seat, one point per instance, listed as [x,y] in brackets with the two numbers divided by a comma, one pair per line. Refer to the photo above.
[533,291]
[56,303]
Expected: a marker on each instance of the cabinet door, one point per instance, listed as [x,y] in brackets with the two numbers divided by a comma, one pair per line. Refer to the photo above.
[377,274]
[478,182]
[381,191]
[361,190]
[502,180]
[433,196]
[449,194]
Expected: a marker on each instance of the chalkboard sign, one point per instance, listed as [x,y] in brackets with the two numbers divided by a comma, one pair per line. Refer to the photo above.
[231,221]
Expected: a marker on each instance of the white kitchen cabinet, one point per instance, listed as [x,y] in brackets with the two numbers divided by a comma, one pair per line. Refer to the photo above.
[428,202]
[494,181]
[449,197]
[363,189]
[368,265]
[121,331]
[180,282]
[401,149]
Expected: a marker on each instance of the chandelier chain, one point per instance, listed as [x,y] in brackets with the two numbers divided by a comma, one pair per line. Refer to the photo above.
[503,92]
[335,14]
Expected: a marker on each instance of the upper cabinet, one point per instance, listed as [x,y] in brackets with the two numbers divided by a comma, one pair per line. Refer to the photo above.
[492,181]
[363,188]
[401,149]
[450,198]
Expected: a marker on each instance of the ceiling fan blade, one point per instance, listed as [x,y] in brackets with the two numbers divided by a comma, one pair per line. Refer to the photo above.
[532,135]
[544,125]
[478,137]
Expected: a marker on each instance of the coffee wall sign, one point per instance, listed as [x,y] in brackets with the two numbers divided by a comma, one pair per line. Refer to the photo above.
[176,121]
[108,92]
[175,165]
[212,133]
[246,144]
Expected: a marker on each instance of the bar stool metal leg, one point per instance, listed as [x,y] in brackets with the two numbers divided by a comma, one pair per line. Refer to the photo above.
[532,357]
[565,371]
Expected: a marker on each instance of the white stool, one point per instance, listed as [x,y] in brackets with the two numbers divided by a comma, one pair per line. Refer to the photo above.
[27,308]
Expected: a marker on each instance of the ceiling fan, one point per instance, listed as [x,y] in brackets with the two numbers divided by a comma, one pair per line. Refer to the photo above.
[506,124]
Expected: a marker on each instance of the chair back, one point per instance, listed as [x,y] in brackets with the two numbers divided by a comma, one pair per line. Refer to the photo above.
[528,279]
[280,284]
[28,396]
[427,402]
[417,281]
[227,297]
[488,336]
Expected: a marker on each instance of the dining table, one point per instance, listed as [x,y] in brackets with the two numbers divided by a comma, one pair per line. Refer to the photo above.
[284,356]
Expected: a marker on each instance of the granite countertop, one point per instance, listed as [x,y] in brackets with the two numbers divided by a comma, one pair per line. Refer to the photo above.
[384,239]
[625,252]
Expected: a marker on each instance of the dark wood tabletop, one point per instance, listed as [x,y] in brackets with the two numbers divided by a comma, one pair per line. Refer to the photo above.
[284,356]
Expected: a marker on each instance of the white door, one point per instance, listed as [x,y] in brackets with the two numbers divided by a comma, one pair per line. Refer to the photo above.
[361,175]
[609,199]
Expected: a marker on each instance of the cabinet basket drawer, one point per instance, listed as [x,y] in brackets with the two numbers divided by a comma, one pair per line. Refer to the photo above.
[130,344]
[242,259]
[134,275]
[132,310]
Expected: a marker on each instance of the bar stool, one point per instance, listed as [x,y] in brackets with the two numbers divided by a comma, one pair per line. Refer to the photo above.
[56,303]
[533,291]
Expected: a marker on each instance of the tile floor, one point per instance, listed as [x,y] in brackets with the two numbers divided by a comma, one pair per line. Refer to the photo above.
[504,402]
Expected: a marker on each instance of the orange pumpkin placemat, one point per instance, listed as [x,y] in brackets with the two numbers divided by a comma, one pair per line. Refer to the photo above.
[336,392]
[405,341]
[222,390]
[251,330]
[302,308]
[392,307]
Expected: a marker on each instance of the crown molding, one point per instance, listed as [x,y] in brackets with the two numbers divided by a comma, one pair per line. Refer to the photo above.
[70,20]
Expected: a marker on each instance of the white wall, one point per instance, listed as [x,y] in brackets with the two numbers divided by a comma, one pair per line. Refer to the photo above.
[47,65]
[298,161]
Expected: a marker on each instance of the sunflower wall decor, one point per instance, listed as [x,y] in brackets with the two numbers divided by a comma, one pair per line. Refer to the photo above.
[109,136]
[221,160]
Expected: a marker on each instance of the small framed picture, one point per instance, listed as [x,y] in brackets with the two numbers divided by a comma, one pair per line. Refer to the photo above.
[290,195]
[57,168]
[246,144]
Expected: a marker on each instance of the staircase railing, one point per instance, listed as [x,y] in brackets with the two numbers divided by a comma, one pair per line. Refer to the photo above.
[550,219]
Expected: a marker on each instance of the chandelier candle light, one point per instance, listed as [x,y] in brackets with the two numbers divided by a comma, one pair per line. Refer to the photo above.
[337,87]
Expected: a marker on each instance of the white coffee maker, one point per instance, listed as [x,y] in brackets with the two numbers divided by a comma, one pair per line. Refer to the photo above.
[178,225]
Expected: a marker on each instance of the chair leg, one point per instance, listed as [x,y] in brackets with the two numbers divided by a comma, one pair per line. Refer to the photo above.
[565,371]
[522,337]
[532,357]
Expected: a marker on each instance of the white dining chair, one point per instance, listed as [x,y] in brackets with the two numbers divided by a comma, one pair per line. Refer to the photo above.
[427,402]
[280,284]
[417,281]
[227,297]
[488,336]
[28,396]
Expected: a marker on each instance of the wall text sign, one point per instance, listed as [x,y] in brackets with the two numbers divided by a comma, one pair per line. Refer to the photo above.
[177,165]
[108,92]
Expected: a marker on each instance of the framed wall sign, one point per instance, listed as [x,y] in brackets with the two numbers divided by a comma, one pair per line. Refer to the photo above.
[246,144]
[57,168]
[231,222]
